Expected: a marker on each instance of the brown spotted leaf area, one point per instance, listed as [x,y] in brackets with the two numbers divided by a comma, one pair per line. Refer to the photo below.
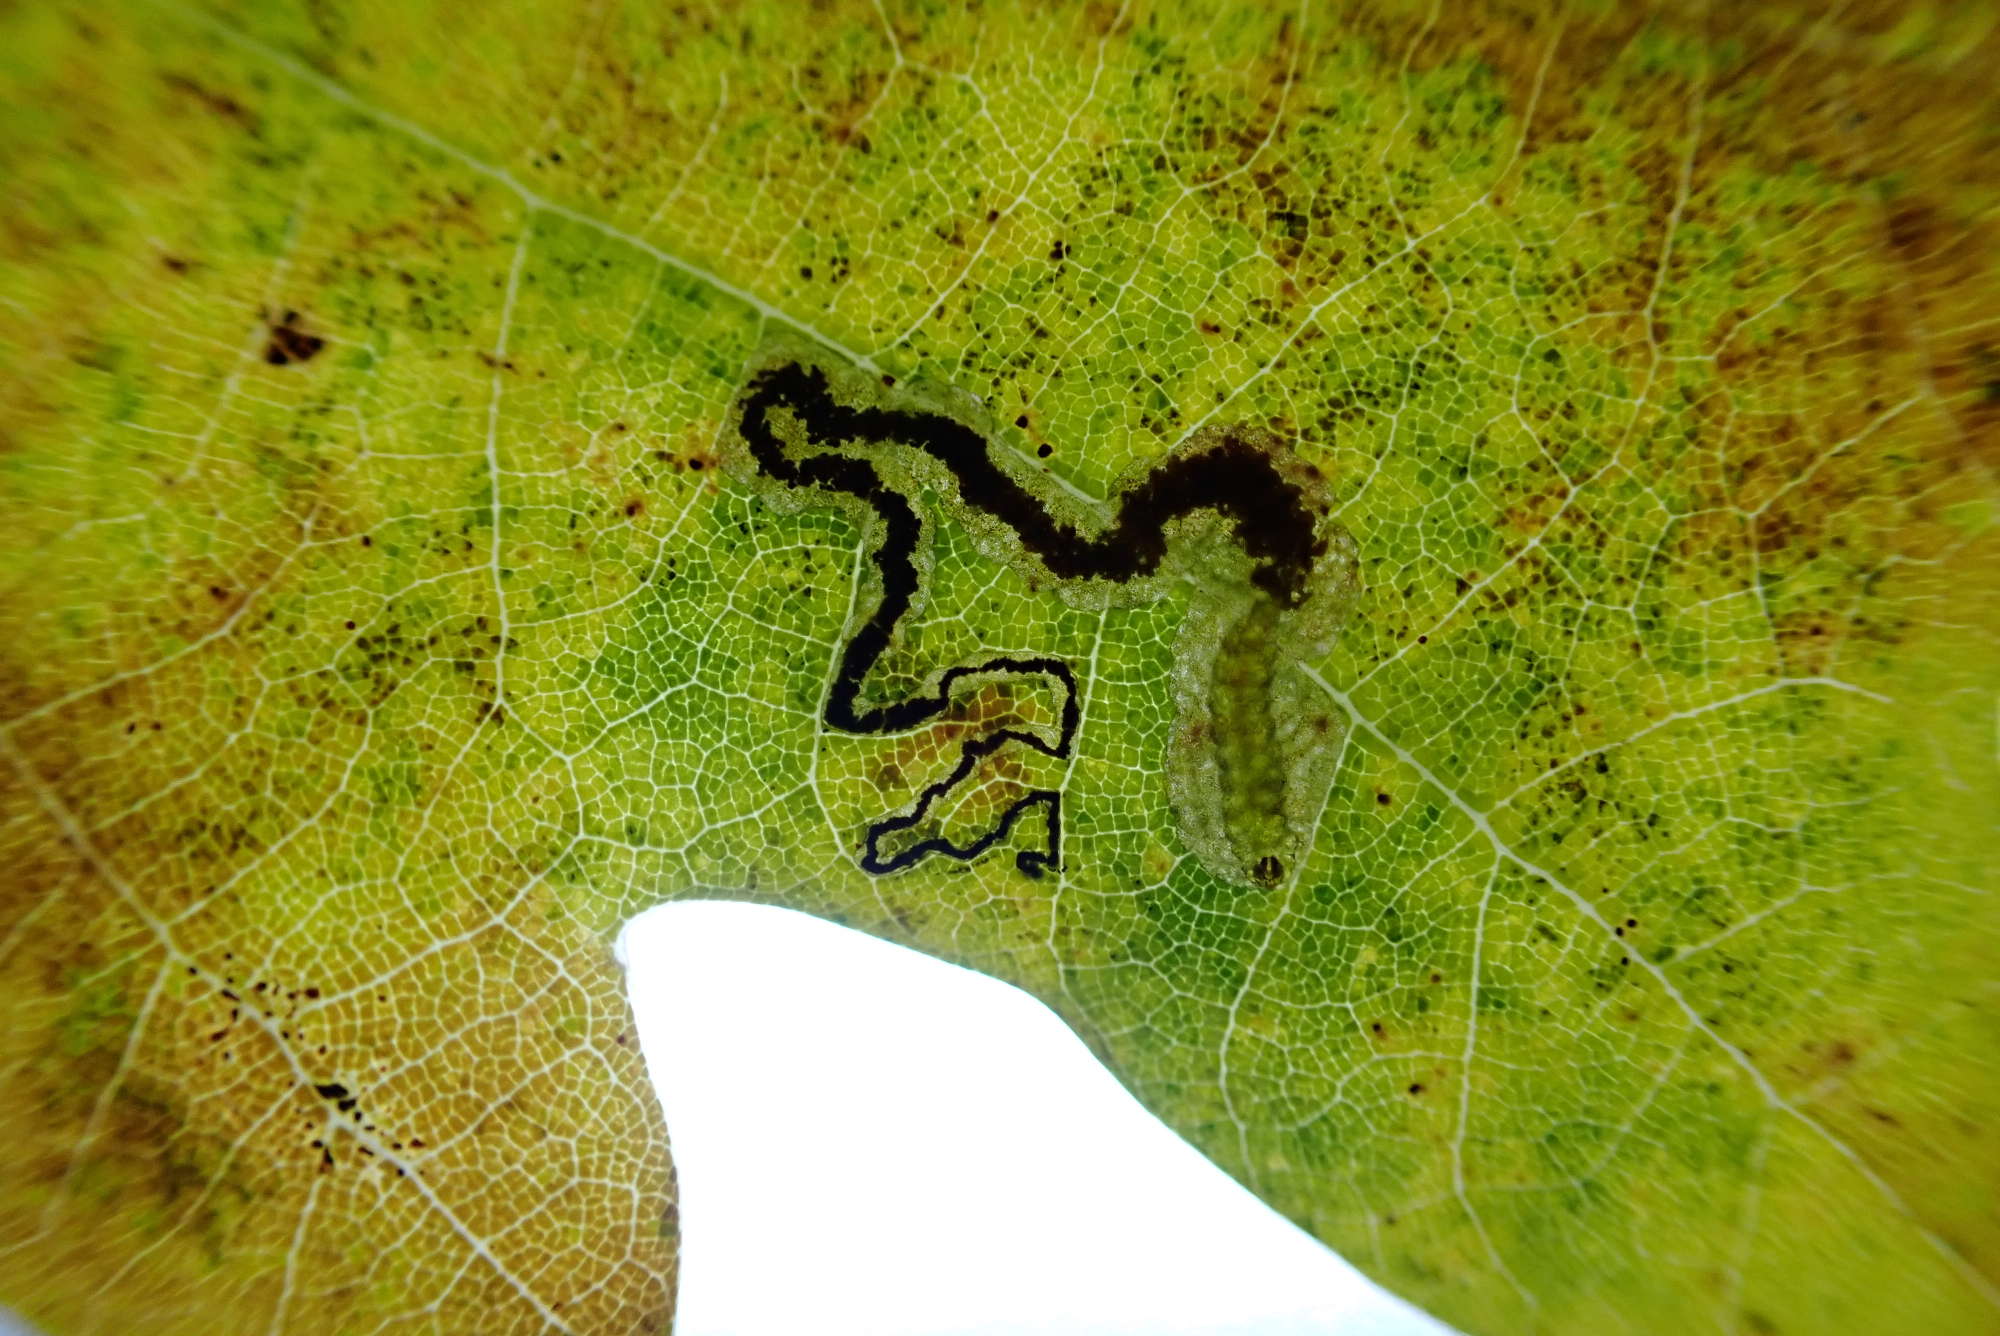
[388,614]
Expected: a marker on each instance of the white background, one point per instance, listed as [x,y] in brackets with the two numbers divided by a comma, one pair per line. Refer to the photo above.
[874,1143]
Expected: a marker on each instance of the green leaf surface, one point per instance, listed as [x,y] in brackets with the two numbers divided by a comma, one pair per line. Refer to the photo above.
[1575,906]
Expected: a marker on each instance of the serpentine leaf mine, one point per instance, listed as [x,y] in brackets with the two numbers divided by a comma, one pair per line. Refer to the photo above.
[1230,514]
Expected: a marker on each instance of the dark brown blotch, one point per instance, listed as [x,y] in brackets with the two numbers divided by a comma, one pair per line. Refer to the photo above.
[290,343]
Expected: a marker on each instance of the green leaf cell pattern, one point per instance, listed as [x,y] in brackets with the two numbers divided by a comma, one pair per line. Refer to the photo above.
[389,611]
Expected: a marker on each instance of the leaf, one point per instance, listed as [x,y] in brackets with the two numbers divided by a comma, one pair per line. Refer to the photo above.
[395,603]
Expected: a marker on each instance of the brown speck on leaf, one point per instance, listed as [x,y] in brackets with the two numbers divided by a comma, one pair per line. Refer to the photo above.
[221,104]
[289,343]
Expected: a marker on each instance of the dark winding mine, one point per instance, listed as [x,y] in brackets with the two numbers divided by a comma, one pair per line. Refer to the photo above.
[1267,513]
